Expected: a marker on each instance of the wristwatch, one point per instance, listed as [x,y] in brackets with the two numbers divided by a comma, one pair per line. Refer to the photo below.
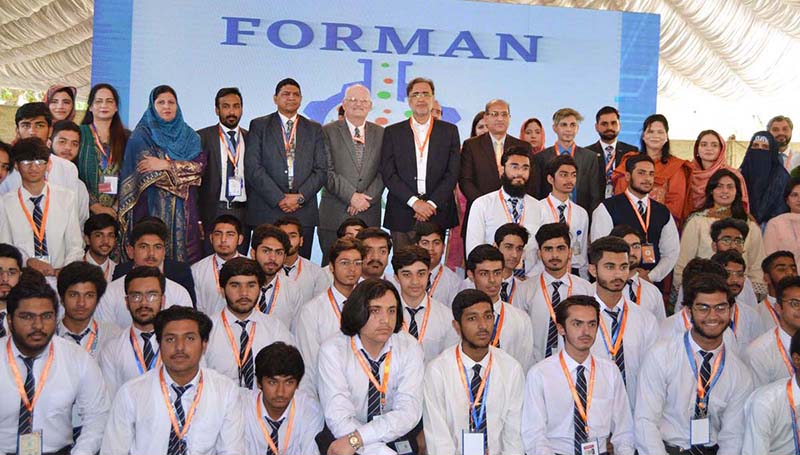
[301,200]
[354,440]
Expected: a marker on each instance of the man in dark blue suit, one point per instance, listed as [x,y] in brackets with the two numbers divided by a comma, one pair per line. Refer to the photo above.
[285,165]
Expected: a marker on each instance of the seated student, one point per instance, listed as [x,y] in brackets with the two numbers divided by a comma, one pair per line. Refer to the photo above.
[511,239]
[560,414]
[426,319]
[279,295]
[745,321]
[309,278]
[10,270]
[350,227]
[692,387]
[225,236]
[65,140]
[279,418]
[377,247]
[238,331]
[768,355]
[146,250]
[321,318]
[771,411]
[363,409]
[100,233]
[776,267]
[443,283]
[179,408]
[58,377]
[472,389]
[642,292]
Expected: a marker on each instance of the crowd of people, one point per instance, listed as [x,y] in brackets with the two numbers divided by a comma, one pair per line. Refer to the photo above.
[157,293]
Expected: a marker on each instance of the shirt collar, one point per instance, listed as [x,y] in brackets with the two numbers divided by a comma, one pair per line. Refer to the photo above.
[352,127]
[283,416]
[421,125]
[17,354]
[572,364]
[469,363]
[232,317]
[285,119]
[26,195]
[338,296]
[696,348]
[386,347]
[63,330]
[603,145]
[549,279]
[497,306]
[556,202]
[421,305]
[225,129]
[195,380]
[619,306]
[89,259]
[500,141]
[507,196]
[636,200]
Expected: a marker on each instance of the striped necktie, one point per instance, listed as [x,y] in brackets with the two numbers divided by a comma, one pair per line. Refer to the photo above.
[580,427]
[246,372]
[79,337]
[474,386]
[373,394]
[40,248]
[147,350]
[413,329]
[26,416]
[619,359]
[178,446]
[702,412]
[552,331]
[274,428]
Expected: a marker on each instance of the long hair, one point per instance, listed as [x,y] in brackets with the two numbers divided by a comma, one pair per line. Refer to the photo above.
[665,155]
[118,135]
[737,206]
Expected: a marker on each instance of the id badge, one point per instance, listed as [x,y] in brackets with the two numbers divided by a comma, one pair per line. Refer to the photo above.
[30,443]
[648,254]
[43,258]
[609,190]
[576,243]
[109,185]
[234,186]
[699,432]
[403,448]
[472,443]
[590,448]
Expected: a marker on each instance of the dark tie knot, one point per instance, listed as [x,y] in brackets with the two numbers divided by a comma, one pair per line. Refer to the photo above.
[562,207]
[28,361]
[477,369]
[413,311]
[579,371]
[180,390]
[232,135]
[288,269]
[706,356]
[147,335]
[514,201]
[243,324]
[80,336]
[612,313]
[556,285]
[375,365]
[37,199]
[275,425]
[629,282]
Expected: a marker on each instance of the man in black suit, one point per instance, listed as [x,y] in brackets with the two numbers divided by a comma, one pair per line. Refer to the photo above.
[222,191]
[588,192]
[420,161]
[608,149]
[480,157]
[285,165]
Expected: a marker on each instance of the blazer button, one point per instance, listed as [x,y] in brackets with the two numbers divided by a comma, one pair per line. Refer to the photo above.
[286,172]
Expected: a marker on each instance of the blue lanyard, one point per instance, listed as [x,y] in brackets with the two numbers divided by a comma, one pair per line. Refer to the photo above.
[271,299]
[478,417]
[615,333]
[693,364]
[138,364]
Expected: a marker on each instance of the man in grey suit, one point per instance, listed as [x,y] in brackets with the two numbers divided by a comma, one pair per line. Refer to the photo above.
[354,185]
[285,164]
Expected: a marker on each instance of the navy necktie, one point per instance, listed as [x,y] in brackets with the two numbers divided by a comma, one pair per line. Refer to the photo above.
[274,427]
[514,212]
[552,331]
[580,427]
[413,329]
[619,359]
[230,172]
[178,446]
[504,291]
[373,394]
[40,248]
[246,373]
[2,324]
[631,294]
[561,218]
[79,337]
[474,386]
[25,416]
[147,350]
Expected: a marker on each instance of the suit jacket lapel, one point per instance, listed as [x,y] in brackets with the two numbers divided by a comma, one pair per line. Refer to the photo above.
[276,130]
[347,140]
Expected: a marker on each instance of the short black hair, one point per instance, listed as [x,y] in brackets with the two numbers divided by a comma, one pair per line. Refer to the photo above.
[345,244]
[289,220]
[162,89]
[100,221]
[562,309]
[279,359]
[632,161]
[225,91]
[622,230]
[148,227]
[606,110]
[702,266]
[516,150]
[466,298]
[182,313]
[350,221]
[766,264]
[724,257]
[553,165]
[608,243]
[269,231]
[514,229]
[11,252]
[427,228]
[725,223]
[81,272]
[375,233]
[409,254]
[29,149]
[144,271]
[705,283]
[27,289]
[355,312]
[483,253]
[552,231]
[227,218]
[285,82]
[65,125]
[33,110]
[418,80]
[32,277]
[783,285]
[241,266]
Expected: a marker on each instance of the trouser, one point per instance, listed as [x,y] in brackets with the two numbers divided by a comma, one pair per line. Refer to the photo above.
[705,450]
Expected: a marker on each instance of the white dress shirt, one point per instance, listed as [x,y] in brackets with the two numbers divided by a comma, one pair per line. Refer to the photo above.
[316,322]
[766,312]
[343,387]
[210,299]
[520,292]
[748,329]
[285,298]
[681,322]
[765,358]
[139,422]
[447,405]
[548,410]
[307,423]
[516,334]
[650,298]
[284,131]
[99,333]
[309,279]
[667,392]
[447,287]
[74,382]
[439,332]
[220,353]
[238,171]
[578,220]
[420,130]
[118,360]
[668,245]
[768,420]
[490,211]
[108,266]
[112,307]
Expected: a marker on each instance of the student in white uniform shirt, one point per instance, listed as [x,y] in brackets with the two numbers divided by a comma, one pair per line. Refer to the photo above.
[309,278]
[370,383]
[146,249]
[575,402]
[552,287]
[776,267]
[179,408]
[425,318]
[100,233]
[626,331]
[10,271]
[225,237]
[279,296]
[745,321]
[279,418]
[239,332]
[642,292]
[562,174]
[321,318]
[692,387]
[511,239]
[472,389]
[771,413]
[768,355]
[59,377]
[512,328]
[443,283]
[377,247]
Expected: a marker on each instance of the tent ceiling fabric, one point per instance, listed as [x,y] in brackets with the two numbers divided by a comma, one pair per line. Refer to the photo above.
[725,47]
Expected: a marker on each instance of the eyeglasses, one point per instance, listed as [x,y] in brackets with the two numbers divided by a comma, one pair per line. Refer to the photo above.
[355,100]
[728,241]
[702,308]
[29,318]
[346,263]
[794,303]
[495,114]
[29,163]
[424,95]
[137,297]
[10,273]
[735,273]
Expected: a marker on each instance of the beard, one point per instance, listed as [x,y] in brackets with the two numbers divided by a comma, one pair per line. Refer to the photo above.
[609,136]
[511,189]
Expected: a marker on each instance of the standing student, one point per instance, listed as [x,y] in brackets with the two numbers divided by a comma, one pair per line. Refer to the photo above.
[511,239]
[443,283]
[309,278]
[225,236]
[10,271]
[279,296]
[776,267]
[100,233]
[641,292]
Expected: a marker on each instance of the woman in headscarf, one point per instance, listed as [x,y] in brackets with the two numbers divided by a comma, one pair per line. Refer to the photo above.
[709,157]
[61,101]
[103,140]
[765,177]
[783,231]
[161,173]
[532,132]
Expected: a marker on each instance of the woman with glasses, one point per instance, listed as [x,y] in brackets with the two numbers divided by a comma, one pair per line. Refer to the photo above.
[783,231]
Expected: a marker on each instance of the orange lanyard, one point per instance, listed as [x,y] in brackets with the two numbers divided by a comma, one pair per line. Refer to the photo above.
[782,351]
[273,299]
[436,280]
[547,295]
[792,410]
[475,401]
[299,268]
[735,319]
[239,359]
[26,400]
[215,269]
[584,412]
[702,389]
[39,233]
[287,145]
[772,311]
[498,325]
[686,323]
[266,433]
[513,290]
[421,147]
[334,305]
[92,337]
[557,149]
[99,145]
[555,214]
[614,341]
[180,432]
[645,224]
[505,209]
[234,158]
[424,321]
[140,357]
[638,291]
[382,386]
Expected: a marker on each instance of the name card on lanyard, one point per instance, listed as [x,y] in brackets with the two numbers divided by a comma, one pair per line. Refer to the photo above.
[235,183]
[700,428]
[29,443]
[590,447]
[648,251]
[473,441]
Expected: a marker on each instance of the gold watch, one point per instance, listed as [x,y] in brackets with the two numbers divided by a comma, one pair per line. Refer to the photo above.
[354,440]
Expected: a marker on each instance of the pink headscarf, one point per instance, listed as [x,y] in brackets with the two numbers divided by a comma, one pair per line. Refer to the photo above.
[698,179]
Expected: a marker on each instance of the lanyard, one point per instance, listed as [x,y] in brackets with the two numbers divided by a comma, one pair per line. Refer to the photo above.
[645,224]
[91,342]
[555,213]
[505,208]
[26,400]
[703,390]
[421,147]
[299,269]
[795,433]
[498,325]
[234,158]
[334,305]
[424,321]
[735,321]
[180,432]
[782,351]
[266,433]
[547,295]
[558,149]
[381,386]
[610,163]
[140,357]
[638,291]
[475,401]
[275,290]
[772,312]
[613,342]
[584,412]
[39,233]
[237,356]
[287,145]
[436,280]
[513,290]
[107,159]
